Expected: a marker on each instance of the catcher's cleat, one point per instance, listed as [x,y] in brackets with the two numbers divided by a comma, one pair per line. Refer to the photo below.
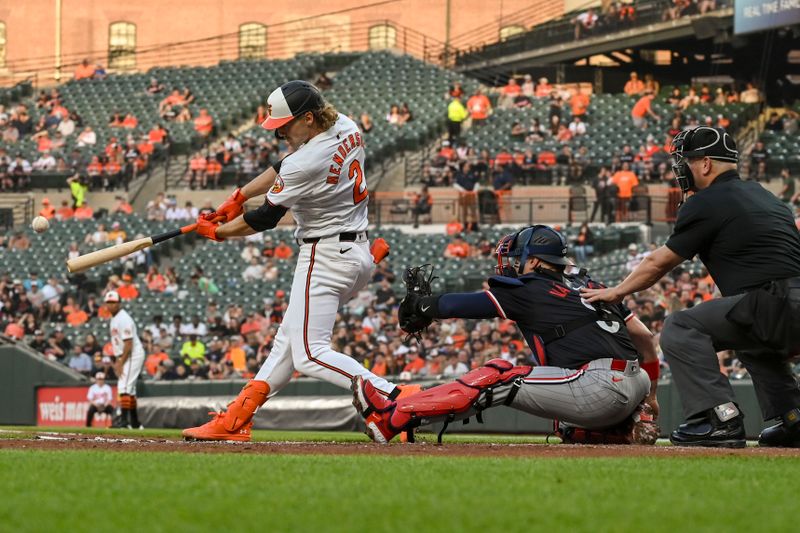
[215,430]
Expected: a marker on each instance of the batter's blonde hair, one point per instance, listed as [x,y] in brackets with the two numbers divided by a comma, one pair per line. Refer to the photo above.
[326,117]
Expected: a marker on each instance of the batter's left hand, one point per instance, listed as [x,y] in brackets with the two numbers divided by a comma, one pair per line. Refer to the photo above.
[609,295]
[208,229]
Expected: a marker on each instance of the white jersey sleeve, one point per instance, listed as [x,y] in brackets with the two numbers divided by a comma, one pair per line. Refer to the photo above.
[290,185]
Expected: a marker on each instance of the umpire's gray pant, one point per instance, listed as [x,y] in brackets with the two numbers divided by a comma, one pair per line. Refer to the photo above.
[595,397]
[690,341]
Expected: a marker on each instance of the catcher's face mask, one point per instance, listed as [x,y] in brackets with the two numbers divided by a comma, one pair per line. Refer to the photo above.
[538,241]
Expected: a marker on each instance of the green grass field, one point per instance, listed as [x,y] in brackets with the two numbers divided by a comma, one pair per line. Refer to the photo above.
[116,491]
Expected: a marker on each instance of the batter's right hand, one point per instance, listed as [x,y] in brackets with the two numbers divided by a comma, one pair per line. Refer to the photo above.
[208,229]
[230,208]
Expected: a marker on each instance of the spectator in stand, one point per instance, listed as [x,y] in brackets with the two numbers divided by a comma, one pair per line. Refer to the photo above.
[393,116]
[130,122]
[584,244]
[787,192]
[634,86]
[155,87]
[197,170]
[455,91]
[774,123]
[213,172]
[577,127]
[204,124]
[625,180]
[168,108]
[456,114]
[466,183]
[758,155]
[704,6]
[128,290]
[479,107]
[87,137]
[83,212]
[117,234]
[642,109]
[65,212]
[528,88]
[689,100]
[158,135]
[543,88]
[585,23]
[564,134]
[365,122]
[283,251]
[405,114]
[508,93]
[84,71]
[116,120]
[454,227]
[458,249]
[254,271]
[675,97]
[651,85]
[45,162]
[66,126]
[422,204]
[579,104]
[705,94]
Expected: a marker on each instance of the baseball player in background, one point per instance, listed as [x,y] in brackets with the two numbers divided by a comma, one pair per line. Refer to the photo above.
[587,372]
[323,184]
[99,397]
[129,354]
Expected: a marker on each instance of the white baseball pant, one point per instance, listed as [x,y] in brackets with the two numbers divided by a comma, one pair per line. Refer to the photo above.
[328,274]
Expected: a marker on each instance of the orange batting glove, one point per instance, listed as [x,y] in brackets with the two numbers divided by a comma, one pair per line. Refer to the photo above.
[208,229]
[230,208]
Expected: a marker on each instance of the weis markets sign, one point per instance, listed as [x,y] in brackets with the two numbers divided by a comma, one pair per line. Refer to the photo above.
[63,406]
[758,15]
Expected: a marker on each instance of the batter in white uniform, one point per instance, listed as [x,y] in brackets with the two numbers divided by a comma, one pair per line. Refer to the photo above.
[129,354]
[323,184]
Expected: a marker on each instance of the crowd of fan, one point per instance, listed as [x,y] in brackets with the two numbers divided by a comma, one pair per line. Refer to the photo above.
[226,341]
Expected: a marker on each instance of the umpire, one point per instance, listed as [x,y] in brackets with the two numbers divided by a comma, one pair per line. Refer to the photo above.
[747,239]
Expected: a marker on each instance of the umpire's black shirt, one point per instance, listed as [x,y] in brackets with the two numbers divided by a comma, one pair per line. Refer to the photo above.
[744,234]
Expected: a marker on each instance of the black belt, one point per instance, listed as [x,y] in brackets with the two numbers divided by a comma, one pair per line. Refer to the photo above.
[343,237]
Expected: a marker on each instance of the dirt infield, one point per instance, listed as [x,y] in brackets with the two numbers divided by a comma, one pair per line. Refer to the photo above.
[66,441]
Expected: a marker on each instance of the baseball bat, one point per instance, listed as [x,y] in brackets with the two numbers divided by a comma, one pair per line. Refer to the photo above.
[98,257]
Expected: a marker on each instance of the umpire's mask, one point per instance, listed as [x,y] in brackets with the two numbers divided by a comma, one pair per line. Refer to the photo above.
[702,141]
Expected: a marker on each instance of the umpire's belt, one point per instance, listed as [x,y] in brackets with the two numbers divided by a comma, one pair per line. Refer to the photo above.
[627,366]
[342,237]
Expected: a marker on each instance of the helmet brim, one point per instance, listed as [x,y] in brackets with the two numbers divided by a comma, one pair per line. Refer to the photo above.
[553,259]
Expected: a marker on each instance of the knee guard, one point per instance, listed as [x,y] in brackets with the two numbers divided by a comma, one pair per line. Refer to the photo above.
[242,409]
[492,384]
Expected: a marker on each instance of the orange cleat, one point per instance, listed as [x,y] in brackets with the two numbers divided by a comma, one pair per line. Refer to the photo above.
[216,430]
[235,423]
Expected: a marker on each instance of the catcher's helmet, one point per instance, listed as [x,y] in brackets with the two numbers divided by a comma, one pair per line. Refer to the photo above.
[291,100]
[702,141]
[538,241]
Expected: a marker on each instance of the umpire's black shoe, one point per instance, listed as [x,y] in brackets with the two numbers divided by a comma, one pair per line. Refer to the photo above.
[721,427]
[784,434]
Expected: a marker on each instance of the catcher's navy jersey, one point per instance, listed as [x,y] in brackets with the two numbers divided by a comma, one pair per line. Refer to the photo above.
[539,303]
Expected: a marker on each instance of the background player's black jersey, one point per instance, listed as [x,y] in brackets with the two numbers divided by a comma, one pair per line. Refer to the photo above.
[538,302]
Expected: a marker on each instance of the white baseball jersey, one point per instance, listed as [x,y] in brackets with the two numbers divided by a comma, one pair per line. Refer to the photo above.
[323,183]
[99,395]
[122,329]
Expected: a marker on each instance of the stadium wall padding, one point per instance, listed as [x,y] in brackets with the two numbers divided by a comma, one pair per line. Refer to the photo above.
[21,371]
[303,404]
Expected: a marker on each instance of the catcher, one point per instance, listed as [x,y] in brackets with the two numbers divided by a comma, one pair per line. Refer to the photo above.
[596,367]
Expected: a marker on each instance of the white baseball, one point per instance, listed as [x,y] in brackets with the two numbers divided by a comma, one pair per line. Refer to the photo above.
[40,224]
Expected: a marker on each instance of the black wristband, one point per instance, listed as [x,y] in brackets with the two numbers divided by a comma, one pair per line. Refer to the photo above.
[428,306]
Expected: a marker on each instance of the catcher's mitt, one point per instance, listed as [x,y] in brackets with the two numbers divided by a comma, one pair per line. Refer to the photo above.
[418,285]
[639,428]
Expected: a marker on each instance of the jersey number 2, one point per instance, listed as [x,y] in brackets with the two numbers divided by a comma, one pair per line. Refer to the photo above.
[359,187]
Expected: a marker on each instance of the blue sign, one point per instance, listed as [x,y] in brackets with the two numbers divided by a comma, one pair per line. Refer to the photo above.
[758,15]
